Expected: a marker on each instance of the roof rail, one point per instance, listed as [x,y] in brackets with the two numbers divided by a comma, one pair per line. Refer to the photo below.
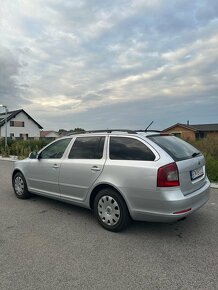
[111,131]
[158,131]
[103,131]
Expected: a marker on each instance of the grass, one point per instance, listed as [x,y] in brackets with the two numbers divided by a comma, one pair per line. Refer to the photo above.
[212,169]
[209,147]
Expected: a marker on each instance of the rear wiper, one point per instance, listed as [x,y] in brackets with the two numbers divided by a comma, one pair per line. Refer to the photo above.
[196,154]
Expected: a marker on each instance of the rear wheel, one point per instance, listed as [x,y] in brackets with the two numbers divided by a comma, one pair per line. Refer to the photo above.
[111,210]
[20,186]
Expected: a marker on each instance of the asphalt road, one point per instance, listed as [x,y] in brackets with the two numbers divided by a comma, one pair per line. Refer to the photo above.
[46,244]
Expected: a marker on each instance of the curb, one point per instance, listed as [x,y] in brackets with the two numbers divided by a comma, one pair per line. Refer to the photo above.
[214,185]
[11,159]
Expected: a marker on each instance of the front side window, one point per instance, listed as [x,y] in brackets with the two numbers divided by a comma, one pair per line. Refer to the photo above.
[122,148]
[55,150]
[87,148]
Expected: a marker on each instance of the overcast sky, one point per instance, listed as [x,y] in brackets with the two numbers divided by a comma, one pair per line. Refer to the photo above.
[110,63]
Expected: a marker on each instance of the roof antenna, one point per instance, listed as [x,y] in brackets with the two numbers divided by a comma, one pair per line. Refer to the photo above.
[149,126]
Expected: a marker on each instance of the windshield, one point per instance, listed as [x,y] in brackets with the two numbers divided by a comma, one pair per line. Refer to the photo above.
[175,147]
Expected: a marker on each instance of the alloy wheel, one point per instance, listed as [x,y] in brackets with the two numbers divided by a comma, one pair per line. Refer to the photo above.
[108,210]
[19,185]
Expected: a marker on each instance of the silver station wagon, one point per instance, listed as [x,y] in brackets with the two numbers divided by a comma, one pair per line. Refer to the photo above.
[120,175]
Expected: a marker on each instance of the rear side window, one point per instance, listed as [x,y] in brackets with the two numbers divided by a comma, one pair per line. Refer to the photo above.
[175,147]
[122,148]
[87,148]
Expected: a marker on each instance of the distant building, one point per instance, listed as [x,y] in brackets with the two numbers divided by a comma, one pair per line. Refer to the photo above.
[49,134]
[193,132]
[20,125]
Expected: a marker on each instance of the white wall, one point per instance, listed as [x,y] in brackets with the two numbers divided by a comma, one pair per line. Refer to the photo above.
[29,128]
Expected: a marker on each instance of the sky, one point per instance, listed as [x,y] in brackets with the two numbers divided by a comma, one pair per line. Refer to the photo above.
[110,64]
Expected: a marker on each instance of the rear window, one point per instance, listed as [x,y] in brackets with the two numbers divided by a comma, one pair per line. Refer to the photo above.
[175,147]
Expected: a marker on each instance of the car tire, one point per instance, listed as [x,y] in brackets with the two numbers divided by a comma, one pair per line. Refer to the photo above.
[20,186]
[110,210]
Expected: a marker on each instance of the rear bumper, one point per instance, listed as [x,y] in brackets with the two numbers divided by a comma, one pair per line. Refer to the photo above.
[163,210]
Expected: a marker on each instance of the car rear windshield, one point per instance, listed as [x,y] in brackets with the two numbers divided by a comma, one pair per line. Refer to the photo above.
[177,148]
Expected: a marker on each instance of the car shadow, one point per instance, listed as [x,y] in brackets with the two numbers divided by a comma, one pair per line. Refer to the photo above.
[59,206]
[183,230]
[193,224]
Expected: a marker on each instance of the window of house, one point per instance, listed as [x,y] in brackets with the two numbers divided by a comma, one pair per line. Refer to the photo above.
[16,124]
[87,148]
[122,148]
[200,135]
[177,134]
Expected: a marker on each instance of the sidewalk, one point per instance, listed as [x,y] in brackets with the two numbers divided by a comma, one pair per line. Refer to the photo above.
[214,185]
[14,158]
[11,158]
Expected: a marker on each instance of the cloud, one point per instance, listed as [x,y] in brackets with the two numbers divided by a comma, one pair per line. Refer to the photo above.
[82,58]
[9,72]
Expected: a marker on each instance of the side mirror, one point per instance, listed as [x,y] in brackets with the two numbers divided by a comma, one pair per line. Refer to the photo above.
[33,155]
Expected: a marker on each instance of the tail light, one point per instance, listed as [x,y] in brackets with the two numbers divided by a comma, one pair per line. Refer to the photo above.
[168,175]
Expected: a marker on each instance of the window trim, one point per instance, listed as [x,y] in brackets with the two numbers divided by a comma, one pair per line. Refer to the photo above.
[142,140]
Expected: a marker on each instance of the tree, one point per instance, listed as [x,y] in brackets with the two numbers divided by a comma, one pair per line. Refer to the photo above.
[77,130]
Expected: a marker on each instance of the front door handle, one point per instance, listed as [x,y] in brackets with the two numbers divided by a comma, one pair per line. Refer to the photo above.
[55,166]
[95,168]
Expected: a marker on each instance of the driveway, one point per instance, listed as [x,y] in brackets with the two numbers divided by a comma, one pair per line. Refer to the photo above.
[46,244]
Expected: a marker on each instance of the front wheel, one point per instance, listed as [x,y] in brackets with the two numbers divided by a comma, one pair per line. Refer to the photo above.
[20,186]
[111,210]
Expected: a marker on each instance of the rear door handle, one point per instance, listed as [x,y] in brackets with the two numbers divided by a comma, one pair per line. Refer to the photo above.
[95,168]
[55,166]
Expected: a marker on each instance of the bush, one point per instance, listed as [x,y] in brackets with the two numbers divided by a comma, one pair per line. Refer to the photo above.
[212,168]
[21,148]
[209,147]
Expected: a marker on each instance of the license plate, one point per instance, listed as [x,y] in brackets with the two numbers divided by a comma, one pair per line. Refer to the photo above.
[196,173]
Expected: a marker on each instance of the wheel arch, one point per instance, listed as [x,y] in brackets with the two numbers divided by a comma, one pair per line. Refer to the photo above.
[16,170]
[101,186]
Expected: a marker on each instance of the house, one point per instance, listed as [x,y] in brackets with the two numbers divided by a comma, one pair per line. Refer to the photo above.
[49,134]
[19,125]
[193,132]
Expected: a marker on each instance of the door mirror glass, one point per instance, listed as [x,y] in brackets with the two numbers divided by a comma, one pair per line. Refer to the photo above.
[33,155]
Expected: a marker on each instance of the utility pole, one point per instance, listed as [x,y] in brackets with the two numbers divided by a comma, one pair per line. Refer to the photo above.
[6,133]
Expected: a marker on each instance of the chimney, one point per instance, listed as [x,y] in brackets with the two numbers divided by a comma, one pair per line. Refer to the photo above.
[187,122]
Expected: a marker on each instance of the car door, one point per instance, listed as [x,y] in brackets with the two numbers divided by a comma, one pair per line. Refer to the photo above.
[43,172]
[82,167]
